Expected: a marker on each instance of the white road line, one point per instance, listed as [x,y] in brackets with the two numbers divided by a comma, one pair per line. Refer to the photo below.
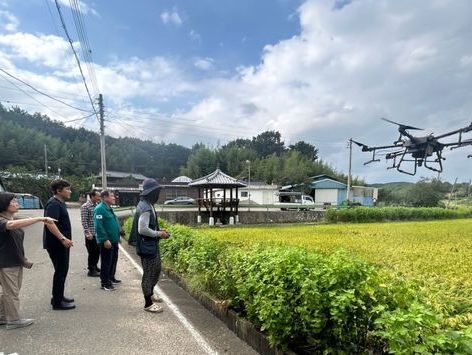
[186,323]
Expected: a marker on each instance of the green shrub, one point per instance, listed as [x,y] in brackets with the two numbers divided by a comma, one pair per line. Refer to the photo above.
[416,330]
[320,303]
[373,214]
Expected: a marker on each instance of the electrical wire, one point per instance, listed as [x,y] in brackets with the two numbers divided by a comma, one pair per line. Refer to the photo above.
[50,91]
[76,57]
[188,125]
[41,92]
[31,96]
[84,42]
[52,18]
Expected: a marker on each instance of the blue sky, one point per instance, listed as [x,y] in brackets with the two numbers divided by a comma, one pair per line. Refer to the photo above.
[319,71]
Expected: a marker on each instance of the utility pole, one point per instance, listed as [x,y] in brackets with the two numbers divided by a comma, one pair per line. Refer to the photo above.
[349,179]
[249,185]
[102,142]
[451,193]
[46,160]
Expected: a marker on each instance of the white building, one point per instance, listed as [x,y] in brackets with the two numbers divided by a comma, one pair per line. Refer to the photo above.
[260,194]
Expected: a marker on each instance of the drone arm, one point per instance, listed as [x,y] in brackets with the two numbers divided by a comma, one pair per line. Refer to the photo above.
[455,145]
[457,131]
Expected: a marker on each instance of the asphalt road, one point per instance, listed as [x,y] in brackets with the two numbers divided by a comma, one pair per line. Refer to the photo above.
[109,322]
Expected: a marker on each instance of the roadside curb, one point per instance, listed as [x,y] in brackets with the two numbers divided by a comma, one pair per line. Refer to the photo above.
[244,329]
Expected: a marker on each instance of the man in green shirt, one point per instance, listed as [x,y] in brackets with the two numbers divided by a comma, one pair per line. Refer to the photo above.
[108,230]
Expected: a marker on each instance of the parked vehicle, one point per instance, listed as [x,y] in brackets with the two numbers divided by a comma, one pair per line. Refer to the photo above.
[28,201]
[291,200]
[181,200]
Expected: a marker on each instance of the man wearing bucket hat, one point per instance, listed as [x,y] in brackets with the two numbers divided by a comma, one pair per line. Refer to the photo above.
[146,233]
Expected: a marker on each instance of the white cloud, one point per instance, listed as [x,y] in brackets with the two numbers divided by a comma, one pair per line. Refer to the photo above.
[8,21]
[195,35]
[84,7]
[47,50]
[466,60]
[203,63]
[348,66]
[171,17]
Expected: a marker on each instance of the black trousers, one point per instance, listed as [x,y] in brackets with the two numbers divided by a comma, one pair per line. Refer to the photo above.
[151,272]
[93,253]
[108,265]
[60,261]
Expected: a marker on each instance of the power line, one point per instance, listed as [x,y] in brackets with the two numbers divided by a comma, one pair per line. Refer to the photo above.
[83,119]
[41,92]
[78,119]
[198,126]
[31,96]
[52,18]
[76,57]
[84,42]
[14,101]
[51,91]
[145,134]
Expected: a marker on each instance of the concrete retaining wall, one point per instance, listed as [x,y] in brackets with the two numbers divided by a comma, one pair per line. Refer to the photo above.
[265,217]
[245,217]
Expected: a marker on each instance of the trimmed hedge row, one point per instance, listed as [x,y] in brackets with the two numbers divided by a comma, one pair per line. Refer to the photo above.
[310,301]
[373,214]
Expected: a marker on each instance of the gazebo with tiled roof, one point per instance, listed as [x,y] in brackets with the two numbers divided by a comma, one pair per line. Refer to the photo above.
[223,208]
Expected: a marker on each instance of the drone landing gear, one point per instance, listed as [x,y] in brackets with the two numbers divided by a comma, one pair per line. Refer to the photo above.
[402,159]
[373,160]
[437,161]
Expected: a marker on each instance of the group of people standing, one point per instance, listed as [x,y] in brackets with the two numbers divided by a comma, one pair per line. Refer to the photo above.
[102,232]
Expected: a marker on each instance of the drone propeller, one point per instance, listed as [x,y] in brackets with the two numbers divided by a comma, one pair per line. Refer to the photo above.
[401,126]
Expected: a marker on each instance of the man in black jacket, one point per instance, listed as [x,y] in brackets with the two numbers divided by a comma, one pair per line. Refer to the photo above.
[57,240]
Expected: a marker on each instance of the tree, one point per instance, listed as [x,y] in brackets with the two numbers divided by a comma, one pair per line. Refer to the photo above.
[268,143]
[232,159]
[200,163]
[306,149]
[424,194]
[295,168]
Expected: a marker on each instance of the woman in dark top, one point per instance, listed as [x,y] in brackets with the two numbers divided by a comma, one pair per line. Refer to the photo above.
[12,260]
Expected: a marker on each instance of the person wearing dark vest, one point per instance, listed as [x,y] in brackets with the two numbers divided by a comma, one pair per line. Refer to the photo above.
[146,232]
[57,240]
[108,231]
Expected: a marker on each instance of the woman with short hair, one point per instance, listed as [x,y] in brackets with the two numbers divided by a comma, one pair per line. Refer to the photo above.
[12,260]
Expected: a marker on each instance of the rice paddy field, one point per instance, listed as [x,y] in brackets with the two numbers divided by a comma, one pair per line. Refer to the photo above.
[435,255]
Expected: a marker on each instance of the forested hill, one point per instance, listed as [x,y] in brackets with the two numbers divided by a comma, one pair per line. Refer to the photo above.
[77,153]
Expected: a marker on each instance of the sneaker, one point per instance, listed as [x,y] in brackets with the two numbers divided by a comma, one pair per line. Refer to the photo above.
[3,321]
[108,288]
[156,298]
[93,273]
[115,281]
[20,323]
[154,308]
